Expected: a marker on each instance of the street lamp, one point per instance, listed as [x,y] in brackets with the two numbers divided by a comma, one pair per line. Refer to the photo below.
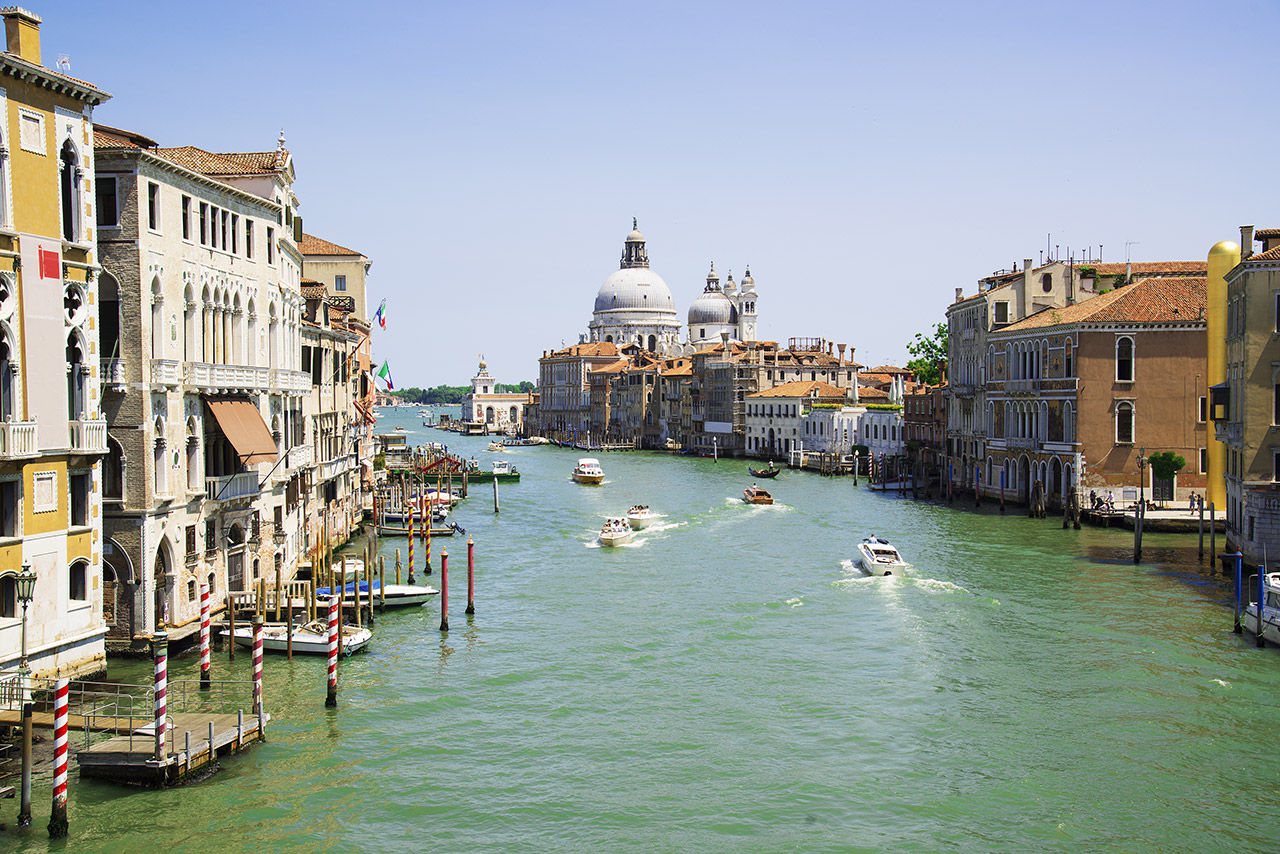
[26,588]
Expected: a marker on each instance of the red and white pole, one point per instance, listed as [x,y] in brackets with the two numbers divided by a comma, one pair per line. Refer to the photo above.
[58,821]
[204,637]
[160,653]
[257,666]
[444,590]
[471,576]
[331,697]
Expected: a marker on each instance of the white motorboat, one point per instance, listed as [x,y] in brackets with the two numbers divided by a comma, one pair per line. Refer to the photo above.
[640,517]
[497,447]
[588,471]
[397,595]
[877,556]
[311,638]
[615,532]
[1270,606]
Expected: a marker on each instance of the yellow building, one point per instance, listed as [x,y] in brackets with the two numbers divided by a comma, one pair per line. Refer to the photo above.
[52,435]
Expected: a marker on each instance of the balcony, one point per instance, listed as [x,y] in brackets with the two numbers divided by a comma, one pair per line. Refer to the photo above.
[166,372]
[18,439]
[289,380]
[300,456]
[1022,443]
[214,378]
[89,436]
[1228,432]
[231,486]
[113,374]
[332,468]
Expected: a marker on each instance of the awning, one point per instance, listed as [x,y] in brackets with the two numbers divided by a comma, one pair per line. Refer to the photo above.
[244,428]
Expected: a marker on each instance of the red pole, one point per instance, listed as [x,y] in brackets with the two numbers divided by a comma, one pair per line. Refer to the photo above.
[444,590]
[204,637]
[257,667]
[58,821]
[471,576]
[331,696]
[410,506]
[426,565]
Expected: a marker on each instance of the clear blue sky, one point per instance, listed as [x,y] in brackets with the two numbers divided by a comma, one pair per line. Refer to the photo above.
[864,159]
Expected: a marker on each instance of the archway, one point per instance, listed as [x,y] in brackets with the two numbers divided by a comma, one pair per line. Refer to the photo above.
[1055,478]
[1024,485]
[161,577]
[118,583]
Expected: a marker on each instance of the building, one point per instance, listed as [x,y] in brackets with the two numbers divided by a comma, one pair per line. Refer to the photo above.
[1247,411]
[484,404]
[777,420]
[564,386]
[634,305]
[718,312]
[52,434]
[1080,396]
[201,320]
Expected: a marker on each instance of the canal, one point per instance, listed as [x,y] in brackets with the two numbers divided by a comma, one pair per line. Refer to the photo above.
[728,682]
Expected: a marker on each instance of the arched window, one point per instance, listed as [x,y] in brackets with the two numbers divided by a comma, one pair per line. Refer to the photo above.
[1124,423]
[76,377]
[108,317]
[6,377]
[79,581]
[1068,362]
[113,472]
[157,319]
[653,343]
[69,166]
[1046,282]
[1124,359]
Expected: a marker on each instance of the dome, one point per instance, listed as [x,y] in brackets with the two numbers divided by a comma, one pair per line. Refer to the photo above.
[748,283]
[635,236]
[635,289]
[712,308]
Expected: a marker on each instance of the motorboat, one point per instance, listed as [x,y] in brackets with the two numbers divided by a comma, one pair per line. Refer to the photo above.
[1270,606]
[755,495]
[640,517]
[397,595]
[311,638]
[615,532]
[588,471]
[771,471]
[496,447]
[877,556]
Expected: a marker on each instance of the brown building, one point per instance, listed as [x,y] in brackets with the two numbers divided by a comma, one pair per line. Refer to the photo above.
[1075,396]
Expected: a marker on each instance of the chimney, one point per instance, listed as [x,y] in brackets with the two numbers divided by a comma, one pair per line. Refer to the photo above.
[830,348]
[942,370]
[840,347]
[22,33]
[1246,242]
[959,294]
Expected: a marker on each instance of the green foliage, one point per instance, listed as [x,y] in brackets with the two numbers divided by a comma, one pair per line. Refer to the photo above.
[1166,464]
[827,406]
[450,394]
[928,351]
[885,407]
[1087,272]
[379,462]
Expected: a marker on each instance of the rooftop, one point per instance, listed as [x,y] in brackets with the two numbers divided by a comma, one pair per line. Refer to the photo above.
[1152,300]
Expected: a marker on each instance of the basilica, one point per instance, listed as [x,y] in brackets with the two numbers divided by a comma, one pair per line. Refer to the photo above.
[635,306]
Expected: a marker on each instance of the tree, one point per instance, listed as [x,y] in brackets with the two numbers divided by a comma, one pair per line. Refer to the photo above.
[928,352]
[1165,465]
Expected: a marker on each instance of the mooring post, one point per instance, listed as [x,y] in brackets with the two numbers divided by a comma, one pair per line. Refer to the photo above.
[1262,597]
[426,529]
[213,751]
[397,565]
[1239,562]
[231,626]
[411,509]
[58,819]
[355,592]
[204,636]
[382,584]
[257,671]
[331,694]
[444,590]
[1200,528]
[160,655]
[279,572]
[471,576]
[1213,530]
[28,709]
[1137,534]
[495,493]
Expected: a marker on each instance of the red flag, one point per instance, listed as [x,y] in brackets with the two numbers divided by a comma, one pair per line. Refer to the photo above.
[49,267]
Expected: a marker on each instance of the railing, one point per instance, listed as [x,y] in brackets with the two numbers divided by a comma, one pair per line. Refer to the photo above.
[1230,432]
[89,436]
[209,377]
[333,468]
[230,486]
[113,371]
[166,372]
[18,439]
[289,380]
[301,456]
[1022,442]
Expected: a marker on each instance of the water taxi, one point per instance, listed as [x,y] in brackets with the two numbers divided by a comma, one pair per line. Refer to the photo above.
[615,532]
[640,516]
[755,495]
[877,556]
[588,471]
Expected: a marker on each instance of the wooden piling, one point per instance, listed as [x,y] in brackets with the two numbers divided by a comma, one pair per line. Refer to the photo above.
[257,668]
[1239,562]
[495,493]
[444,590]
[471,576]
[1137,532]
[382,584]
[279,571]
[397,565]
[231,627]
[1200,528]
[204,636]
[1213,530]
[1260,641]
[160,658]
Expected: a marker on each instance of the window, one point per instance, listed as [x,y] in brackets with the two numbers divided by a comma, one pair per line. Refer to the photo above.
[1203,408]
[225,217]
[191,590]
[248,238]
[191,541]
[210,536]
[79,500]
[69,184]
[1124,423]
[1046,282]
[79,586]
[1124,360]
[1275,404]
[1002,312]
[1277,299]
[339,283]
[8,596]
[108,208]
[271,245]
[204,223]
[186,217]
[9,508]
[1204,460]
[45,486]
[235,234]
[153,206]
[31,132]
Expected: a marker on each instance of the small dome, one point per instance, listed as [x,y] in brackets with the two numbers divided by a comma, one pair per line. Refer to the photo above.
[748,283]
[635,236]
[712,308]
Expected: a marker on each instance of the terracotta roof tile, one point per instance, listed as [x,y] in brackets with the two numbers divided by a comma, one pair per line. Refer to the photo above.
[808,388]
[1154,300]
[312,245]
[224,165]
[1266,234]
[1272,254]
[872,393]
[1153,268]
[313,291]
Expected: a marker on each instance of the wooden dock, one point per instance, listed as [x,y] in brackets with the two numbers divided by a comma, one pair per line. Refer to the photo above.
[193,743]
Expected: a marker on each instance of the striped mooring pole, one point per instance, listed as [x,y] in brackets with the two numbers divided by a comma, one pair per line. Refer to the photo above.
[426,526]
[410,508]
[471,576]
[331,695]
[204,636]
[444,590]
[58,820]
[160,652]
[257,669]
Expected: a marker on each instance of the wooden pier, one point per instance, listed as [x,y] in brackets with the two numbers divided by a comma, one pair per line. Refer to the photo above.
[193,743]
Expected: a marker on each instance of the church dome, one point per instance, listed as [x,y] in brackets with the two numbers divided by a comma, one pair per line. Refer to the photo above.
[635,288]
[711,308]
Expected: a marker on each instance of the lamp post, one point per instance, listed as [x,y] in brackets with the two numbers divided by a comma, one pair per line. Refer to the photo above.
[1142,464]
[26,586]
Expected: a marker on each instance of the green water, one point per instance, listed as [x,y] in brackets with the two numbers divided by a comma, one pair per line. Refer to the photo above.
[729,683]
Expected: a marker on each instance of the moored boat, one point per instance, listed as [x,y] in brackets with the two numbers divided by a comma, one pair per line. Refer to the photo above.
[640,517]
[588,471]
[755,495]
[877,556]
[311,638]
[771,471]
[1270,606]
[397,595]
[615,532]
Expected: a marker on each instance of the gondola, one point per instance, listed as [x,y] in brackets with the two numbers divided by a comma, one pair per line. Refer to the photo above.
[771,471]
